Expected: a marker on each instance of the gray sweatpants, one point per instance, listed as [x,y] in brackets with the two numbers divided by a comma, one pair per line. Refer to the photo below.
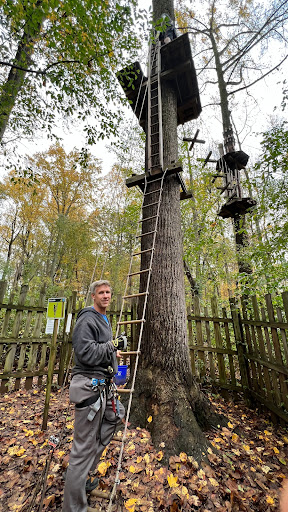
[90,439]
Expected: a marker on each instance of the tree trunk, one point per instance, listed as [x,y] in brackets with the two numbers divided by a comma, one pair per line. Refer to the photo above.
[165,388]
[22,60]
[241,238]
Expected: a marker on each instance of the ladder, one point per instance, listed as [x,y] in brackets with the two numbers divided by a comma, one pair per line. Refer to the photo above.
[154,131]
[151,199]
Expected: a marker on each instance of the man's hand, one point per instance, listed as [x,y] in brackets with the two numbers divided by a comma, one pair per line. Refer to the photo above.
[120,343]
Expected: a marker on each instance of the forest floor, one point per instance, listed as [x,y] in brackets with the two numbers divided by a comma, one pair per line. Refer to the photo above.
[247,462]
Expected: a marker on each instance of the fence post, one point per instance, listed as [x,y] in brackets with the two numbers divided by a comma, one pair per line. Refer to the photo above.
[9,362]
[64,350]
[241,348]
[51,364]
[3,286]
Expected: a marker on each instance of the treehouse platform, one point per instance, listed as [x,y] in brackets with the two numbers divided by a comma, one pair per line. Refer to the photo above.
[177,66]
[139,179]
[237,206]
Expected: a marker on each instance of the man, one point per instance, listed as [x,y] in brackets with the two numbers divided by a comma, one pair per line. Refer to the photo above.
[97,411]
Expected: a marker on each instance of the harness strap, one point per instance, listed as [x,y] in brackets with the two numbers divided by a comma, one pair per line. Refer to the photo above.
[89,401]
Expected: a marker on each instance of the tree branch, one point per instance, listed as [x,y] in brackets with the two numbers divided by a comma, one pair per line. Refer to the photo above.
[258,79]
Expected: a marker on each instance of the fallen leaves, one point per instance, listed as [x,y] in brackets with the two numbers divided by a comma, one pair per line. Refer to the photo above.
[244,469]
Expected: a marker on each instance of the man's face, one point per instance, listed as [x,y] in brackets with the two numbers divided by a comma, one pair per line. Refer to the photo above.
[102,298]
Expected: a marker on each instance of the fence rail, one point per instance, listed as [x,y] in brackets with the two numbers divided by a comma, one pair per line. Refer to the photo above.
[239,347]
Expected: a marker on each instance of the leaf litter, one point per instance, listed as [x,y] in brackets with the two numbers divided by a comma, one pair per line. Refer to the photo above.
[245,467]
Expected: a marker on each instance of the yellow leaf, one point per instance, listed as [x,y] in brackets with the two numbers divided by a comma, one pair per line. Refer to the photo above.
[20,452]
[201,474]
[60,454]
[149,419]
[236,452]
[184,490]
[275,450]
[139,459]
[70,426]
[285,439]
[213,482]
[102,467]
[183,457]
[172,480]
[266,469]
[270,500]
[132,469]
[146,458]
[29,433]
[130,447]
[283,461]
[246,447]
[13,450]
[130,504]
[235,438]
[267,433]
[230,425]
[159,456]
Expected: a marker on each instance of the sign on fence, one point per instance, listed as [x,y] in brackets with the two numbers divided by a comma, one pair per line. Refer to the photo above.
[56,308]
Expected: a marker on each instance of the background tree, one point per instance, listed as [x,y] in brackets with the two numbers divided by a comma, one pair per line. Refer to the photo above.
[232,43]
[59,59]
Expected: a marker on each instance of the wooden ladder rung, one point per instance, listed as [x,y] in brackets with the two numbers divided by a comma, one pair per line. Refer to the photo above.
[148,233]
[153,192]
[142,252]
[125,322]
[135,295]
[130,353]
[151,204]
[148,218]
[125,390]
[140,272]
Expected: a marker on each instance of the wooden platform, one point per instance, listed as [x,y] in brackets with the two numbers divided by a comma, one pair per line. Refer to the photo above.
[178,67]
[139,180]
[236,206]
[233,160]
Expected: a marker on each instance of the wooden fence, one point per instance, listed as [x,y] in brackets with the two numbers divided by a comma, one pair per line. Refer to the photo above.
[242,348]
[24,346]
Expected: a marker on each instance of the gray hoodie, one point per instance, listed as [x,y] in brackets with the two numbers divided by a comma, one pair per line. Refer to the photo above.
[93,347]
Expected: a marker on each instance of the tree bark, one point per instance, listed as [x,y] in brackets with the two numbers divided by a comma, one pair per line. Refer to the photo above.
[165,388]
[22,60]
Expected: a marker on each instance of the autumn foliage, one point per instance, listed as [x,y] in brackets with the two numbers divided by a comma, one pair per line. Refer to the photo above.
[244,471]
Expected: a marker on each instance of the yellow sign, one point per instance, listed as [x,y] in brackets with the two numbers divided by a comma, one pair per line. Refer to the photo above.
[56,308]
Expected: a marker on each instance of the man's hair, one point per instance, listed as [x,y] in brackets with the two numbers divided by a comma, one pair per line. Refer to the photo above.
[96,284]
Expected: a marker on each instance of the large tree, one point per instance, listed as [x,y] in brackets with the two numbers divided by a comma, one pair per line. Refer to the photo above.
[60,58]
[165,388]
